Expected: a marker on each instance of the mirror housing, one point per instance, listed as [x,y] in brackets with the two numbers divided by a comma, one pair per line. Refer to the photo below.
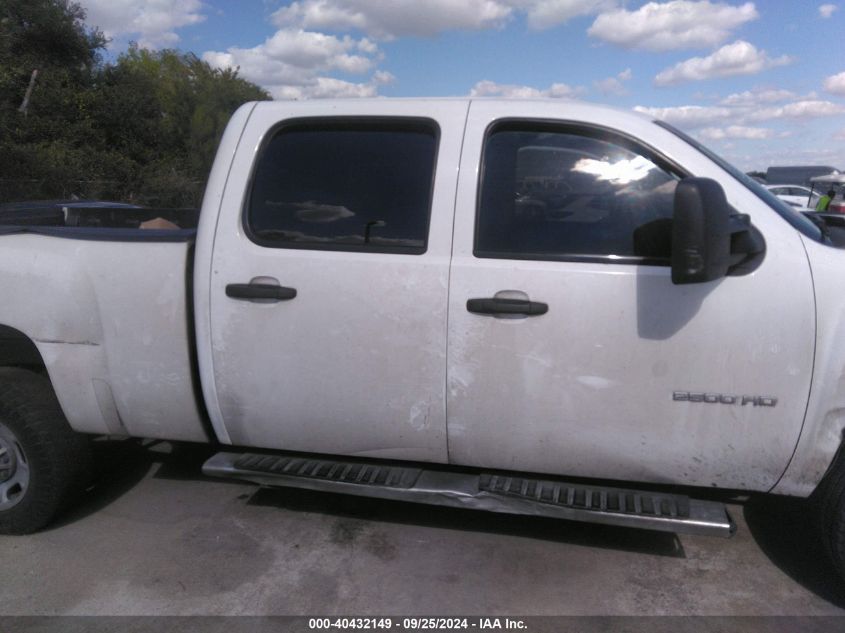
[709,240]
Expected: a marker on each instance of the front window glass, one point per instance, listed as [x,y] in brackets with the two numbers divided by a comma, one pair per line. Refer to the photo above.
[548,194]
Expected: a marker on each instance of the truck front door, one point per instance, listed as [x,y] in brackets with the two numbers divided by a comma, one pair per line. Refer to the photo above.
[571,351]
[328,290]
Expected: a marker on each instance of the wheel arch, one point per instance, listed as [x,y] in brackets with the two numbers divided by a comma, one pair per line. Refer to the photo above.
[19,350]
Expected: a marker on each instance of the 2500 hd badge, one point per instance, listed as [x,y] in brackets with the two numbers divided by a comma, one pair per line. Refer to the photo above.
[721,398]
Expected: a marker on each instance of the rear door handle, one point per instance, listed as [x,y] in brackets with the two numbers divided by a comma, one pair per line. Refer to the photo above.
[506,306]
[260,291]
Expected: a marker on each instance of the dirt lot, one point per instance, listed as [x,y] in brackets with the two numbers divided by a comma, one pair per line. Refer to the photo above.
[154,536]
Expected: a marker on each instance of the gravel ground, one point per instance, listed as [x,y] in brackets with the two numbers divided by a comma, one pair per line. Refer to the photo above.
[153,536]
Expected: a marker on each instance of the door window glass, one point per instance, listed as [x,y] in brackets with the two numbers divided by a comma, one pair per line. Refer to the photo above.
[561,194]
[345,185]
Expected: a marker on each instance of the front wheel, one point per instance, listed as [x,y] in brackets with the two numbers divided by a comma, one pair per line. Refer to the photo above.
[43,462]
[14,469]
[829,505]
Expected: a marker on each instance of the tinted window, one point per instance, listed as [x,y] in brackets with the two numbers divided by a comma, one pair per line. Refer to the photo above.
[345,186]
[566,195]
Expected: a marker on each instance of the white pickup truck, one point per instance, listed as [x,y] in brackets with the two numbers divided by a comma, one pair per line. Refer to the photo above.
[531,307]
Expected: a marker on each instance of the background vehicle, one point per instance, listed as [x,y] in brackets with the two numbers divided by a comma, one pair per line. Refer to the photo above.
[796,195]
[527,307]
[796,174]
[834,182]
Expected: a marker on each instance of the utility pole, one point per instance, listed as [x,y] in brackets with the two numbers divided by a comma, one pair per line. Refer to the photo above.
[25,105]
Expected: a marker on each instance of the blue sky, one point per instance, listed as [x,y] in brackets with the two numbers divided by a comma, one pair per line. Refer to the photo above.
[761,82]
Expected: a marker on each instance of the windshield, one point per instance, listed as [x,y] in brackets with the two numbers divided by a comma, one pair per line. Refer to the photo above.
[795,218]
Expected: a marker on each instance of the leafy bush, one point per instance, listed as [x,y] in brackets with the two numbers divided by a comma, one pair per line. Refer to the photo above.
[141,129]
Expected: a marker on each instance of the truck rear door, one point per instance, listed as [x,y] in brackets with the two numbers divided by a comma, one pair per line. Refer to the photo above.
[329,278]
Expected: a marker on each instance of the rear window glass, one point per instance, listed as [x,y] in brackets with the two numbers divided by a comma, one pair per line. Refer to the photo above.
[345,185]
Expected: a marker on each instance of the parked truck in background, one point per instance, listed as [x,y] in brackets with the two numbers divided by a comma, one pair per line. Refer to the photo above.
[797,174]
[532,307]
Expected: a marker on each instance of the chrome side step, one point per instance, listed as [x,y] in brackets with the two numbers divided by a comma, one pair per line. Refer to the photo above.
[497,492]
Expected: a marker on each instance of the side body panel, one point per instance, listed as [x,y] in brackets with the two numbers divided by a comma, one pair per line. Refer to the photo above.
[110,320]
[587,389]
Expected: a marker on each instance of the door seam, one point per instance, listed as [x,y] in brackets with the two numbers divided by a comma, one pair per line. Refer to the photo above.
[449,279]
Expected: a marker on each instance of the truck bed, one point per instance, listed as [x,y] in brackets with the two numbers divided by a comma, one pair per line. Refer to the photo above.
[112,322]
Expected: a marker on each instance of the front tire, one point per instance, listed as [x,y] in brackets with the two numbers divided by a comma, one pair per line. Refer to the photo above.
[43,462]
[829,506]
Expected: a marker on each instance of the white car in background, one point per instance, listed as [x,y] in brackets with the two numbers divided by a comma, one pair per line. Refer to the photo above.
[796,195]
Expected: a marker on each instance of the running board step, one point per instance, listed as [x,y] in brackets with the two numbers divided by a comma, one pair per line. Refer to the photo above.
[497,492]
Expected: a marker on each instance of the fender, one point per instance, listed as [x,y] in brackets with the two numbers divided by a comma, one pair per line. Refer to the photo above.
[824,422]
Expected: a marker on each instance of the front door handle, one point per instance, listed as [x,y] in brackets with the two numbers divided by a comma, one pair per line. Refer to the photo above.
[260,291]
[494,305]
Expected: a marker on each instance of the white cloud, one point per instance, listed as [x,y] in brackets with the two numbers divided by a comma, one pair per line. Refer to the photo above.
[327,88]
[690,116]
[395,17]
[736,132]
[487,88]
[755,146]
[693,116]
[805,150]
[307,49]
[387,19]
[383,78]
[835,84]
[152,22]
[741,119]
[756,97]
[826,10]
[292,64]
[614,85]
[678,24]
[803,109]
[739,58]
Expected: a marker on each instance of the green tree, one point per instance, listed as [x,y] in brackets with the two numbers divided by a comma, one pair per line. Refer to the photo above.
[144,128]
[41,143]
[166,111]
